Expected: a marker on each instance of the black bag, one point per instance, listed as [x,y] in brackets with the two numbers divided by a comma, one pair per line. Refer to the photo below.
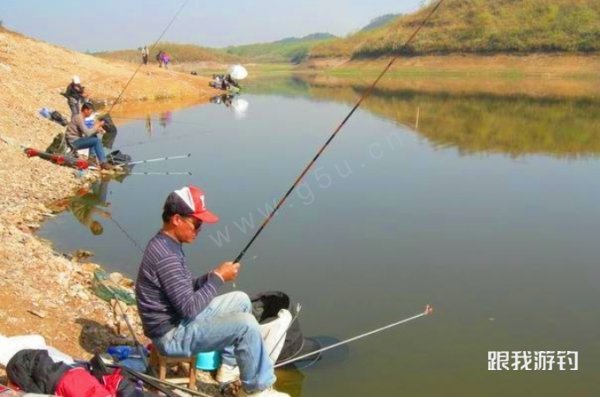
[34,371]
[58,118]
[265,307]
[109,125]
[118,158]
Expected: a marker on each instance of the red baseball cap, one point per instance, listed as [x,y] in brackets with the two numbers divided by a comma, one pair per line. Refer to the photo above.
[189,201]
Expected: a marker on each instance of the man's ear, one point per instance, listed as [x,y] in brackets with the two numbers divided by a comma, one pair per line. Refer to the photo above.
[176,220]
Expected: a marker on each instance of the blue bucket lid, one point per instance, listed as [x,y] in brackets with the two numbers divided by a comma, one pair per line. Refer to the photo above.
[208,361]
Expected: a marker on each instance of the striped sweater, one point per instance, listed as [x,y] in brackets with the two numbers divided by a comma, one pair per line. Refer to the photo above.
[165,290]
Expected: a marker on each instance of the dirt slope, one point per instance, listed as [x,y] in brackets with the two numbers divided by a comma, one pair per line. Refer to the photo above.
[33,278]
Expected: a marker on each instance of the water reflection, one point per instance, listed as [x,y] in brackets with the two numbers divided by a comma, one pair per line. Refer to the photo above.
[224,99]
[233,101]
[472,123]
[148,125]
[87,206]
[166,118]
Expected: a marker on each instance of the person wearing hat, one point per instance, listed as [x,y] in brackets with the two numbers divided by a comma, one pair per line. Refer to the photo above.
[75,95]
[79,136]
[183,315]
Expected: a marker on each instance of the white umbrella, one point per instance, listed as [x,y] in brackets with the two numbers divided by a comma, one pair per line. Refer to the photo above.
[238,72]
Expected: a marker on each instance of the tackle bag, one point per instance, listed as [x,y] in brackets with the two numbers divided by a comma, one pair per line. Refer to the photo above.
[58,145]
[118,158]
[266,307]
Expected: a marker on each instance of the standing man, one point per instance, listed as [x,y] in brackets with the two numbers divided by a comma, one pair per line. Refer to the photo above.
[79,136]
[183,314]
[75,95]
[159,58]
[145,54]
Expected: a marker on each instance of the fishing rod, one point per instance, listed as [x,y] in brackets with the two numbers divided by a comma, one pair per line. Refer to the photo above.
[154,119]
[184,156]
[365,95]
[125,317]
[153,381]
[187,173]
[150,50]
[428,311]
[59,159]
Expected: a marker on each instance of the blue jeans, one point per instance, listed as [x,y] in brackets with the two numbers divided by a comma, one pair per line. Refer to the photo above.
[92,142]
[226,325]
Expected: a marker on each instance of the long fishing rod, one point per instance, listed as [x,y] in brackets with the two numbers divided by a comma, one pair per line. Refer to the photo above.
[333,135]
[125,318]
[150,50]
[428,311]
[188,173]
[183,156]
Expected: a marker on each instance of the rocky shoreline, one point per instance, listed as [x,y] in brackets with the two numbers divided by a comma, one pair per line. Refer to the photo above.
[42,291]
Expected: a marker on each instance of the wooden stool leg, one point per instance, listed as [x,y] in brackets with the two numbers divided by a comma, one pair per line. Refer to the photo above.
[192,384]
[162,368]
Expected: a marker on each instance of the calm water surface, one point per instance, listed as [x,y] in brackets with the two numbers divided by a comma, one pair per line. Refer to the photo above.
[488,210]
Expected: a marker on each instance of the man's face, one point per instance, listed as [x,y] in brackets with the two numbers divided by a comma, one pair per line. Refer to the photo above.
[186,228]
[86,112]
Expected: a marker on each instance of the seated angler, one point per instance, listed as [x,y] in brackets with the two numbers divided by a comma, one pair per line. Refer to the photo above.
[79,136]
[183,314]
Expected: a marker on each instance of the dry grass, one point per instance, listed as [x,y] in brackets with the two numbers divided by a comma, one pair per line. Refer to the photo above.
[481,26]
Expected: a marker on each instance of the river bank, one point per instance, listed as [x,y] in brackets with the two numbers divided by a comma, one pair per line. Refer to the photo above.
[534,75]
[42,291]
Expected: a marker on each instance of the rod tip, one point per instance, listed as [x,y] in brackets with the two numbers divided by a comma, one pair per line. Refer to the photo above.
[428,310]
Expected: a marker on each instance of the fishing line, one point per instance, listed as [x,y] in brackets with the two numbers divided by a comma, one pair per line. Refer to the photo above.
[150,50]
[428,311]
[333,135]
[122,229]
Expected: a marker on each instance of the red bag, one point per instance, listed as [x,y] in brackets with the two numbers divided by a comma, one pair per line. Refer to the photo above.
[78,382]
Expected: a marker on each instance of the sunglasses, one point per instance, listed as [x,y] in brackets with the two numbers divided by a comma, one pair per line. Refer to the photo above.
[194,222]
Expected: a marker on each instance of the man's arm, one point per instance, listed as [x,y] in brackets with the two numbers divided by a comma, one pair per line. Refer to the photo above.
[178,285]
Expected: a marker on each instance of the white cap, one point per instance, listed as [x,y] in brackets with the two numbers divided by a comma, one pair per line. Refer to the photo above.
[76,79]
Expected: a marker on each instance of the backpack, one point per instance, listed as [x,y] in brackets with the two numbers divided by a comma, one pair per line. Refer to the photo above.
[58,118]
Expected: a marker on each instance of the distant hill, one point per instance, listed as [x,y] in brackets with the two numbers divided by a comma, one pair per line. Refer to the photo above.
[291,49]
[179,53]
[480,26]
[379,22]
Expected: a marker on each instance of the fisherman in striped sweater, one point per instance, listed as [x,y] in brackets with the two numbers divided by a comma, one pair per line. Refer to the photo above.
[184,316]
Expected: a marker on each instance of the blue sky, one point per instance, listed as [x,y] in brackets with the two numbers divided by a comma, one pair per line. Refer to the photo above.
[117,24]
